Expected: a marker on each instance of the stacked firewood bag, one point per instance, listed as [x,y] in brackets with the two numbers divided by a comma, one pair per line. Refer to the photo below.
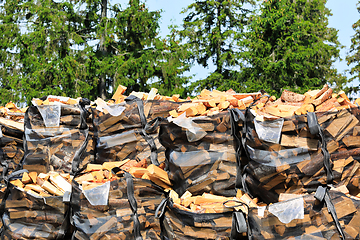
[58,135]
[202,166]
[120,126]
[222,165]
[57,142]
[302,145]
[34,206]
[11,140]
[307,217]
[117,200]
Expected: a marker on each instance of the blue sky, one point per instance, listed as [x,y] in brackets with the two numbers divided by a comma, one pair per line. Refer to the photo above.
[344,16]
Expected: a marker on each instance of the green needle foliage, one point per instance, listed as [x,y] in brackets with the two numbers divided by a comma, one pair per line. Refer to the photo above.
[84,48]
[354,54]
[211,29]
[131,53]
[37,51]
[289,46]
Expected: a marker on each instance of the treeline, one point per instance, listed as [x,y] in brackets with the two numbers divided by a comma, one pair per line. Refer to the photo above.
[87,47]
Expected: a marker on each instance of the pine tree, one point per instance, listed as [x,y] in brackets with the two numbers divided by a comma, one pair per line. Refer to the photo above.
[38,46]
[354,54]
[211,30]
[290,46]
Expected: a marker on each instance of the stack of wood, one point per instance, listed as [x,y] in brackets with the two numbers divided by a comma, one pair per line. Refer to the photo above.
[294,165]
[96,174]
[55,148]
[119,96]
[44,184]
[290,103]
[213,102]
[34,208]
[130,210]
[295,162]
[11,140]
[122,136]
[315,221]
[206,165]
[210,203]
[207,216]
[342,133]
[11,111]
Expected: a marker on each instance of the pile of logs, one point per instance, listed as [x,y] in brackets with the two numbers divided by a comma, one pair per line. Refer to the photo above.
[96,174]
[119,96]
[341,130]
[284,157]
[290,103]
[117,163]
[11,140]
[64,146]
[129,212]
[11,111]
[34,207]
[206,165]
[210,203]
[44,184]
[121,136]
[304,217]
[213,102]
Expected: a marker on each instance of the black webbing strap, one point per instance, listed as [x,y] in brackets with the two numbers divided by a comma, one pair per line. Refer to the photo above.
[315,129]
[133,205]
[75,197]
[243,144]
[235,117]
[150,127]
[160,214]
[79,152]
[4,164]
[83,112]
[82,126]
[140,105]
[239,225]
[322,194]
[149,139]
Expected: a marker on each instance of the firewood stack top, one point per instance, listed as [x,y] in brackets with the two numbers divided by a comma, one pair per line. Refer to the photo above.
[96,174]
[11,111]
[44,184]
[213,102]
[211,203]
[119,96]
[290,103]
